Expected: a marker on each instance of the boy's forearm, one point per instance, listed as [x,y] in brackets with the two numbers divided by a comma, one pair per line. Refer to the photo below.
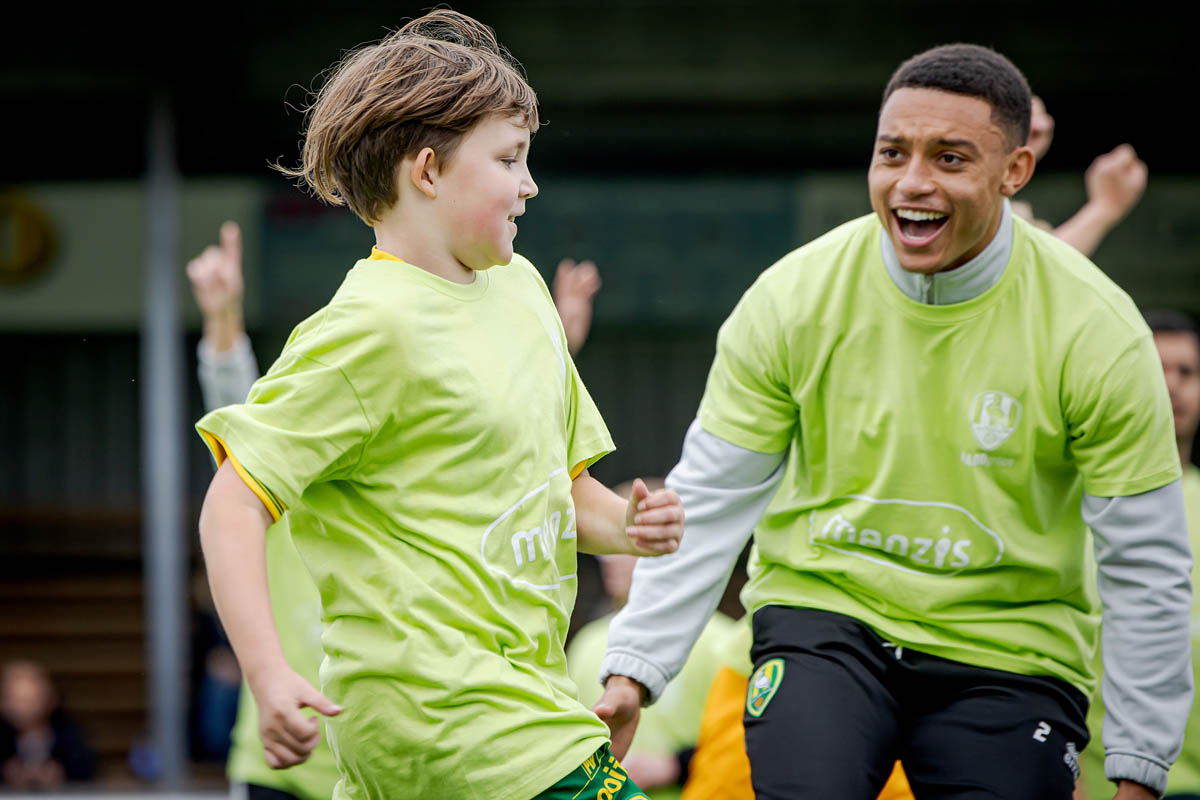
[233,525]
[599,517]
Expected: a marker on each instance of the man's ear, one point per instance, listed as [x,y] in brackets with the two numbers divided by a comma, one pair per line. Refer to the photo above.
[1018,172]
[424,172]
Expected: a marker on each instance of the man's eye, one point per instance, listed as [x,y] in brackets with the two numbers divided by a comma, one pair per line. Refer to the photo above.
[950,158]
[890,153]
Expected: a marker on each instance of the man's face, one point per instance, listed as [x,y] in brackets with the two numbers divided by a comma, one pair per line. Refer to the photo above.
[1180,354]
[939,175]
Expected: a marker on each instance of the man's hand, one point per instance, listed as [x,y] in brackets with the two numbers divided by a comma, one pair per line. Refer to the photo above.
[653,520]
[288,736]
[619,707]
[574,287]
[1041,129]
[1115,182]
[1128,790]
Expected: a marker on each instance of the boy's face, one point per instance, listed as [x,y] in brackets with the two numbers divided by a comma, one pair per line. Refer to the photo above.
[485,185]
[939,176]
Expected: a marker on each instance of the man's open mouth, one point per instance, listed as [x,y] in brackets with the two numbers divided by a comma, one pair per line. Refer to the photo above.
[919,227]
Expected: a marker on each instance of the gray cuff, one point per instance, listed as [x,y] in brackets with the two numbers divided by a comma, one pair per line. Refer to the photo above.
[1129,767]
[653,677]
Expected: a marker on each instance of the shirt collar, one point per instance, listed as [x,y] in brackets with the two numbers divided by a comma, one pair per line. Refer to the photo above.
[962,283]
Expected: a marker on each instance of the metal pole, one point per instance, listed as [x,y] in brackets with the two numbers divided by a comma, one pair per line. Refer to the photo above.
[164,553]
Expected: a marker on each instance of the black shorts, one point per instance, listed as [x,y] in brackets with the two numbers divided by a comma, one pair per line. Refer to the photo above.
[831,706]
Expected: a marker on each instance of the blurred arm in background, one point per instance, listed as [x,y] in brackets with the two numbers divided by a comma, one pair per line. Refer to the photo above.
[575,286]
[1115,183]
[227,368]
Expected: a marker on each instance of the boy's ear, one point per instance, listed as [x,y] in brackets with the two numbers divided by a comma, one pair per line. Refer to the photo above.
[424,172]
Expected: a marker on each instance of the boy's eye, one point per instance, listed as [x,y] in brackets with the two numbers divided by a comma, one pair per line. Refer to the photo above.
[508,162]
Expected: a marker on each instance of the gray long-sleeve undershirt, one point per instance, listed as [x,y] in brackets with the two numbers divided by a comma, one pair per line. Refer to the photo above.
[1143,559]
[225,377]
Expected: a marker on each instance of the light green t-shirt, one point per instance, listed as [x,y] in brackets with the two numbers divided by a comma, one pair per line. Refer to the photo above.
[937,453]
[424,435]
[1184,777]
[672,724]
[297,609]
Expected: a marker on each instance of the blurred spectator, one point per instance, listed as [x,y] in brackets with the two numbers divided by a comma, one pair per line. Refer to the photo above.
[40,745]
[216,677]
[1115,183]
[662,748]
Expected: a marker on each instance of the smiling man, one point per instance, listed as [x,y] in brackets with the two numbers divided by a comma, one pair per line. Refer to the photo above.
[918,415]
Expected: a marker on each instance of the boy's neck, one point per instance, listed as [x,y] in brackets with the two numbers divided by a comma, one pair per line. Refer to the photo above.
[415,248]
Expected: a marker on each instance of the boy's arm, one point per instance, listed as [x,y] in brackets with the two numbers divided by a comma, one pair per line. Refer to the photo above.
[233,525]
[649,524]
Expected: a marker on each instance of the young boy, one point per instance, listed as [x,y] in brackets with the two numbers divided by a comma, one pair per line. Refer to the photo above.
[428,436]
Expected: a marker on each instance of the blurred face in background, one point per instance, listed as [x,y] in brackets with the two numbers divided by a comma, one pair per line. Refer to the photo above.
[1180,354]
[939,175]
[26,696]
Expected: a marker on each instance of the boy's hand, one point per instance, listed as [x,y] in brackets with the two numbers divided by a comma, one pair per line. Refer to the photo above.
[288,736]
[653,520]
[216,274]
[619,707]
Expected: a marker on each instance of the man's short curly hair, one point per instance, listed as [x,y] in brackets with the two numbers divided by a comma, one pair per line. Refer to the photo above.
[975,71]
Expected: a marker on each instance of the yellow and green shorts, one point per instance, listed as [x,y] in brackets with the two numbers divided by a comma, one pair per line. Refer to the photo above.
[601,777]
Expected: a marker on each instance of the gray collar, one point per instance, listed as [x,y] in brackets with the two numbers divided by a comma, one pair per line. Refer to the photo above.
[962,283]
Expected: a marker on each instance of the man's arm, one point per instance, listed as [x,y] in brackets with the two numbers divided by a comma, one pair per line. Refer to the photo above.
[725,490]
[1144,564]
[233,526]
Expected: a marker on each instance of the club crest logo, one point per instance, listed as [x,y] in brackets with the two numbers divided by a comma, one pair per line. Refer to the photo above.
[763,685]
[994,416]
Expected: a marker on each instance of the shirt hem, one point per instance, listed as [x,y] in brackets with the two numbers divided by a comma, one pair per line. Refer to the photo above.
[1127,488]
[739,437]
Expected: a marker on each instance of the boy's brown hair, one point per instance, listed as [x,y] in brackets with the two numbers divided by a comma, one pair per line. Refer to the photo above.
[424,86]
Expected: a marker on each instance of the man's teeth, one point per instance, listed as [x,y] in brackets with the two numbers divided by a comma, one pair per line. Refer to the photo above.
[919,216]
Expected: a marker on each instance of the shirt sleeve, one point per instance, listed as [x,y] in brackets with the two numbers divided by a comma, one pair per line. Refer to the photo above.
[1143,559]
[304,421]
[747,400]
[1119,423]
[588,439]
[225,377]
[725,489]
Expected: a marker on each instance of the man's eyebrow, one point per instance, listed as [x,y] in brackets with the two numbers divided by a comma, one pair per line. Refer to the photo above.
[965,144]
